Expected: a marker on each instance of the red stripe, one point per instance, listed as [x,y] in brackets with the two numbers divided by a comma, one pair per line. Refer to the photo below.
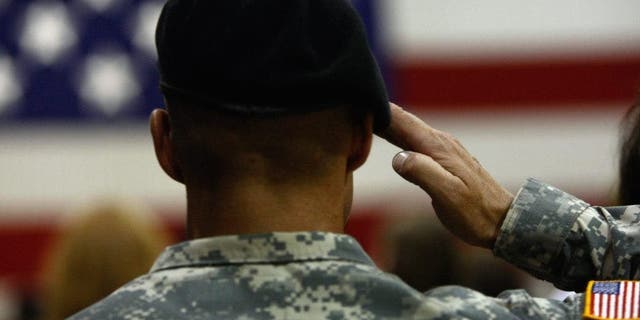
[23,250]
[615,305]
[503,85]
[592,303]
[24,246]
[602,306]
[622,300]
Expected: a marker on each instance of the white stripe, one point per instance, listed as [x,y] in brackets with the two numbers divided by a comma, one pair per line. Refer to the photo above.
[543,27]
[605,306]
[596,304]
[78,152]
[612,305]
[636,292]
[627,302]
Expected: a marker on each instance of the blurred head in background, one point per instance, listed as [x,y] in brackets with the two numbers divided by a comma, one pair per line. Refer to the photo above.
[100,249]
[425,255]
[629,170]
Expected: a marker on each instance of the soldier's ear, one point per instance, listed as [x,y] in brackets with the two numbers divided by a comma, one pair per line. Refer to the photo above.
[161,134]
[361,139]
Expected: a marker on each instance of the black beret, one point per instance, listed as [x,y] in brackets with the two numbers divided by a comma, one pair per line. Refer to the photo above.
[269,57]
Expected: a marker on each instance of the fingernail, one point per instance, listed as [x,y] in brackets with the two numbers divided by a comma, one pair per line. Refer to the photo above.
[398,160]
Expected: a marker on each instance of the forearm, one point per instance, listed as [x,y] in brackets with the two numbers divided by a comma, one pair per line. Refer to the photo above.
[562,239]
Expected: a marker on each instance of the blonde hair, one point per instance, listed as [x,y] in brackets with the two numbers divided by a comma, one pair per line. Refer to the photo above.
[99,250]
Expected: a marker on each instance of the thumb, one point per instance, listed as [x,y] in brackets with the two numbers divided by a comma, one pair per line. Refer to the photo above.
[422,171]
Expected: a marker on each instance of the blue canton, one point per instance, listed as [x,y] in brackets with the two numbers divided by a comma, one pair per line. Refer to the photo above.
[606,288]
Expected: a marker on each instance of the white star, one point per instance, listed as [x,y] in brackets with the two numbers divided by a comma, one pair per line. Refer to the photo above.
[47,33]
[144,24]
[100,5]
[108,83]
[10,88]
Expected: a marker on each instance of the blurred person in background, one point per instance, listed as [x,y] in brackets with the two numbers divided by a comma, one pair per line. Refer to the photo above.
[271,107]
[101,248]
[9,303]
[411,243]
[629,163]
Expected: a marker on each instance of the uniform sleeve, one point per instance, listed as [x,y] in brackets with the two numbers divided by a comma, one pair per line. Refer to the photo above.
[454,302]
[560,238]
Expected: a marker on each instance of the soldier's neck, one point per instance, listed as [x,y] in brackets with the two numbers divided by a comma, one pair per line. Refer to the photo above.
[245,208]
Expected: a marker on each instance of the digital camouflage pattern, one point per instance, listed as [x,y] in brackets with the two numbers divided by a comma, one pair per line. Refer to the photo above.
[601,243]
[314,275]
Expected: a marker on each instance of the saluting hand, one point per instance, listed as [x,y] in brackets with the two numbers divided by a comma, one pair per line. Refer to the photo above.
[467,200]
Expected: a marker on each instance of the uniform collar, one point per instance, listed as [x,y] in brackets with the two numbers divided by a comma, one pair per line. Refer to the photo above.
[269,248]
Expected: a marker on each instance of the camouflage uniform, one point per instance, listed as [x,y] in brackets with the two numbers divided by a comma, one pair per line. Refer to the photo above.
[315,275]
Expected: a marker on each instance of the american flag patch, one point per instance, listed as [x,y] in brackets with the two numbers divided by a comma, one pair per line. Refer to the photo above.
[612,300]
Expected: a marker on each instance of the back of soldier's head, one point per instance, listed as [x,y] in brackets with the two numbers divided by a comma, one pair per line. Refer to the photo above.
[249,63]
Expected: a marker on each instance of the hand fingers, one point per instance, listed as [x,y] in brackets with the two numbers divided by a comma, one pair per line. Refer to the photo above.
[406,130]
[425,172]
[466,198]
[411,133]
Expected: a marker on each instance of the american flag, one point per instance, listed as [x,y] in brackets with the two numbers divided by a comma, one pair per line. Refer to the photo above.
[613,300]
[532,88]
[79,60]
[568,69]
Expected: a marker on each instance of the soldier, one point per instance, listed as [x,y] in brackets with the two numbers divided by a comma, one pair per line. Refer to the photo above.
[271,106]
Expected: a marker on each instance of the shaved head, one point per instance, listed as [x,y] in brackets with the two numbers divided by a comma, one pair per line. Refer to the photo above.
[211,145]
